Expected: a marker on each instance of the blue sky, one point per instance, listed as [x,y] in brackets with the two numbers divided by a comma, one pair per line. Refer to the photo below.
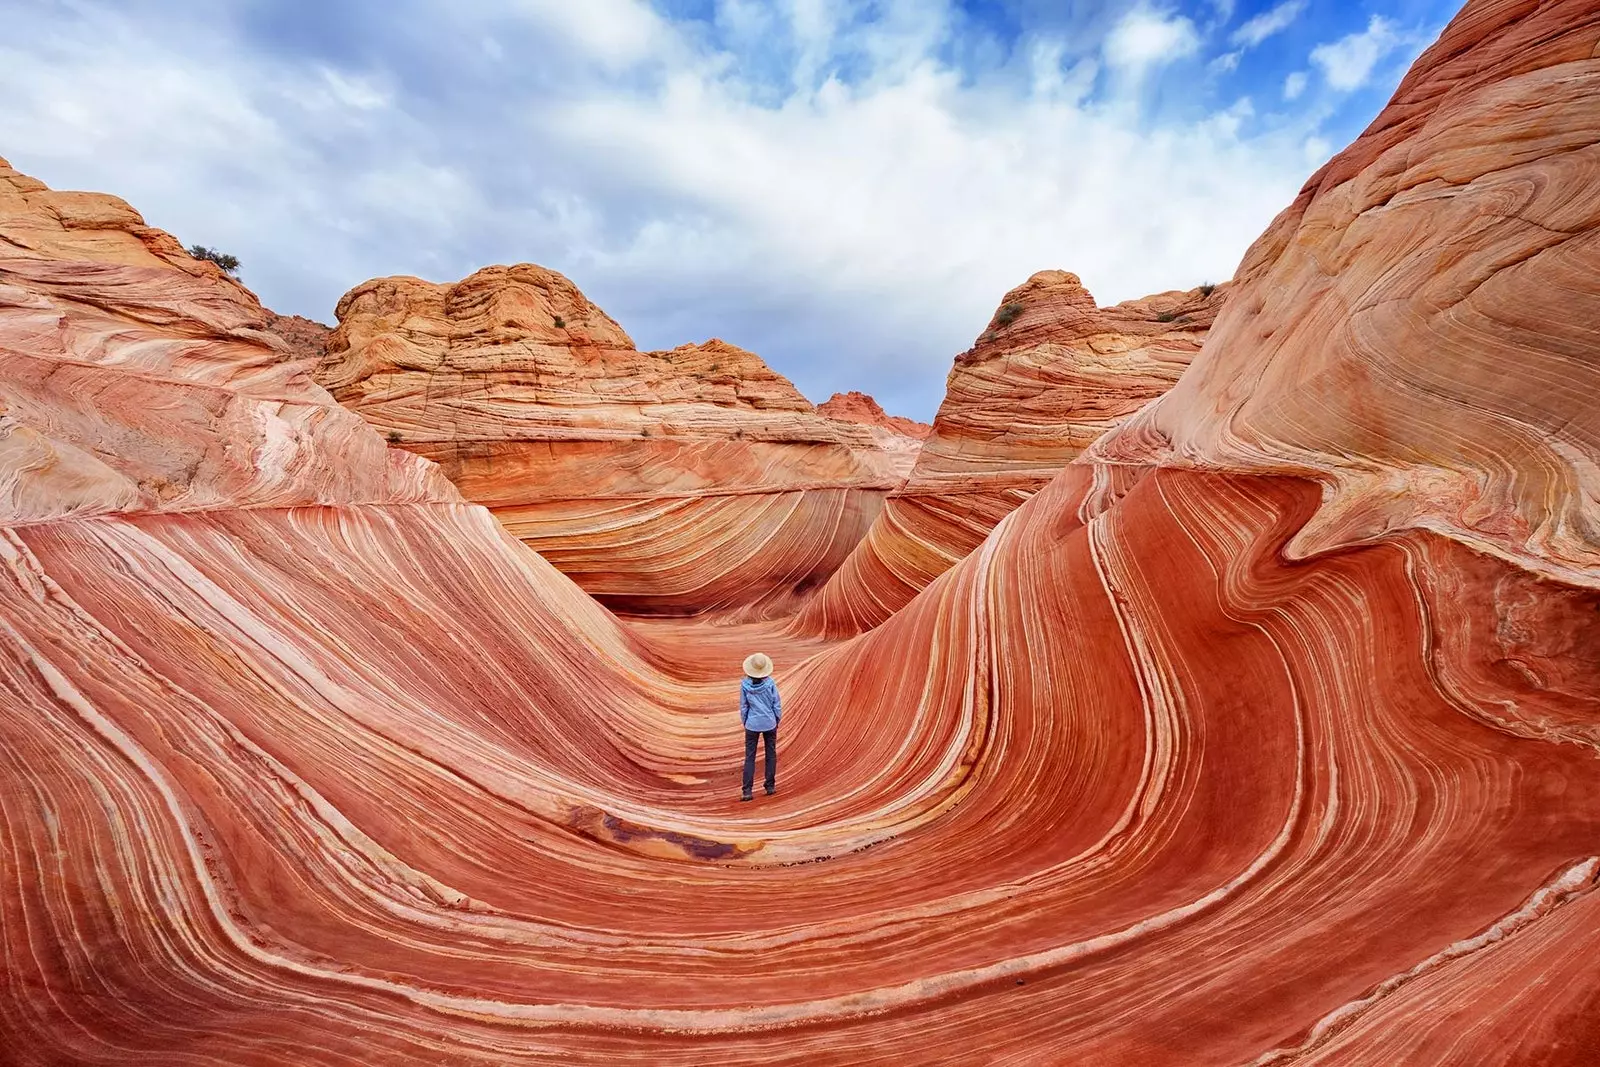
[846,188]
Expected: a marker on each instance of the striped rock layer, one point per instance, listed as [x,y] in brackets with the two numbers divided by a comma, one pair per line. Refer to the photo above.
[672,482]
[1050,374]
[1418,330]
[306,760]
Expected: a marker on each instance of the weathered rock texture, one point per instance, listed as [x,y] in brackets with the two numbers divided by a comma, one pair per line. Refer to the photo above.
[306,338]
[1050,374]
[898,440]
[672,482]
[139,379]
[859,407]
[314,764]
[1418,331]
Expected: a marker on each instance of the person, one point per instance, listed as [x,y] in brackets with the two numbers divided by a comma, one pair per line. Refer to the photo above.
[760,709]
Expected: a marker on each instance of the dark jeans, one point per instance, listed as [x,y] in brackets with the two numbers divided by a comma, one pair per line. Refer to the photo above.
[771,738]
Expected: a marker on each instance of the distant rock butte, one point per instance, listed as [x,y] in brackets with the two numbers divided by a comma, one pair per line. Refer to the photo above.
[1050,374]
[899,440]
[306,338]
[859,407]
[669,482]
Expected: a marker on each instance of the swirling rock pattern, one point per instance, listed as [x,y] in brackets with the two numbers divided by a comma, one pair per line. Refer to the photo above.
[139,379]
[1050,374]
[319,765]
[1418,330]
[672,482]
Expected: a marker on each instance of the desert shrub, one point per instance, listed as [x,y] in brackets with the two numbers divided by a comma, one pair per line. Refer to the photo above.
[1167,316]
[1008,314]
[229,264]
[394,437]
[1207,288]
[561,323]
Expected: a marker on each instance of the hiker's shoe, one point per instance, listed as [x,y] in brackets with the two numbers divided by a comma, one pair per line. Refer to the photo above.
[771,789]
[745,796]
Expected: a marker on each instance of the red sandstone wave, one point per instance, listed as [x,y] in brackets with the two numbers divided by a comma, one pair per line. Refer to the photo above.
[1050,374]
[307,760]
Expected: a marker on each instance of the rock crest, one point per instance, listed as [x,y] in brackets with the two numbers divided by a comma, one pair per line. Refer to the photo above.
[537,404]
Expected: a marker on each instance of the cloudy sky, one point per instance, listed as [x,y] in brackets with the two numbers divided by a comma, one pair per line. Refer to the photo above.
[846,188]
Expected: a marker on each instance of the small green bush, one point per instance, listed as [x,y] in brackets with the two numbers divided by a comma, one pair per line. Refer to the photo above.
[1207,288]
[1167,316]
[561,323]
[1008,314]
[394,437]
[229,264]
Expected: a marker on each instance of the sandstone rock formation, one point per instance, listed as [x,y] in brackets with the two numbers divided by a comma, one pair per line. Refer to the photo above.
[307,761]
[139,379]
[898,440]
[307,339]
[662,482]
[1427,383]
[1051,373]
[859,407]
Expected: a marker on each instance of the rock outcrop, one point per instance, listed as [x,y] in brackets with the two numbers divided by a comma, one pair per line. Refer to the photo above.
[1050,374]
[898,440]
[306,338]
[674,482]
[1427,382]
[138,379]
[305,760]
[859,407]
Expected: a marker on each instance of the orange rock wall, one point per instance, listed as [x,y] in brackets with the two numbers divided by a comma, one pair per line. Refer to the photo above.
[671,482]
[1051,373]
[310,762]
[1429,381]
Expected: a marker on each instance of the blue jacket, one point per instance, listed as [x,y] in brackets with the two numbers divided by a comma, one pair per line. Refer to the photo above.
[759,706]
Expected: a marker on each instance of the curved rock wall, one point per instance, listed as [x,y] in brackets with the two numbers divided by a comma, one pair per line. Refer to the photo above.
[1051,374]
[674,482]
[1417,331]
[310,762]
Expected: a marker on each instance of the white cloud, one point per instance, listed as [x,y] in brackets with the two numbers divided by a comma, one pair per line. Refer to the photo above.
[363,94]
[856,232]
[1294,85]
[1146,38]
[1226,63]
[1269,22]
[616,33]
[1348,62]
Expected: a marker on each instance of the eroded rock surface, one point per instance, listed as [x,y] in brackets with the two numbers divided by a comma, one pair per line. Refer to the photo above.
[308,761]
[1050,374]
[1418,330]
[859,407]
[672,482]
[307,338]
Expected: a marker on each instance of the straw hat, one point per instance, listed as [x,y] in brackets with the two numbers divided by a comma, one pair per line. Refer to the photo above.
[758,665]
